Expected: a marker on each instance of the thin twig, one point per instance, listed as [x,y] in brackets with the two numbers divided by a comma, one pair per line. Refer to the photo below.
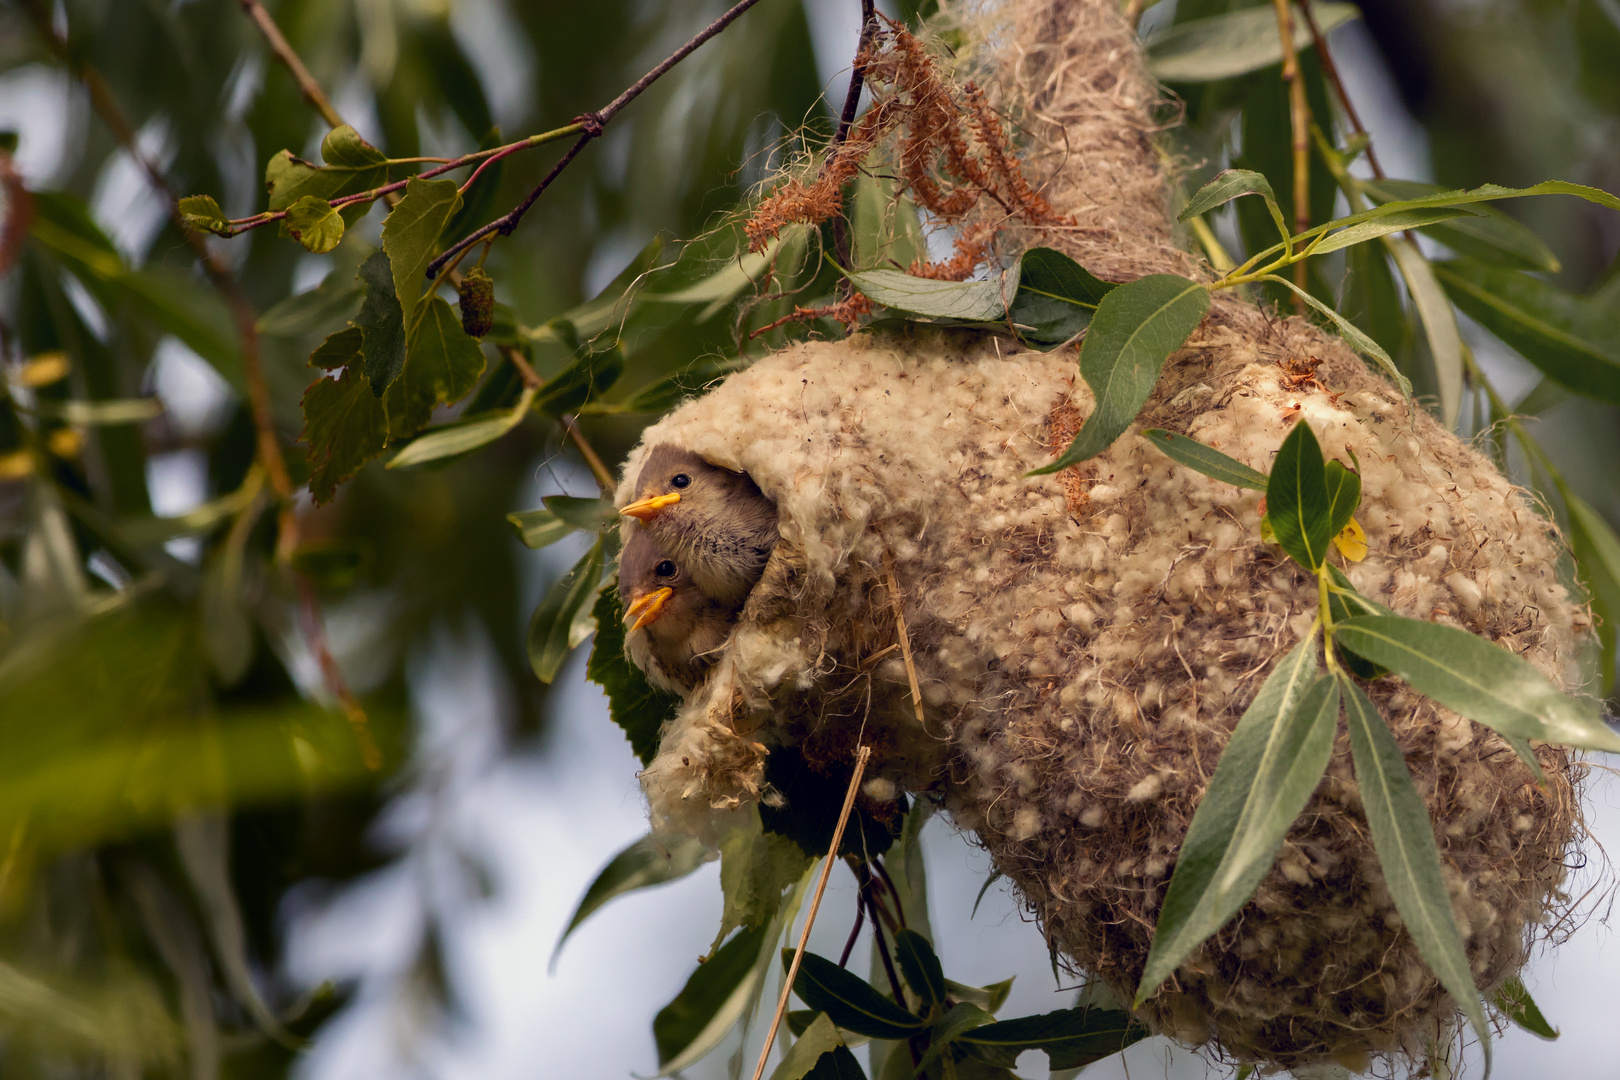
[905,639]
[882,946]
[1299,120]
[854,931]
[846,122]
[332,675]
[604,475]
[1331,70]
[861,755]
[284,52]
[591,124]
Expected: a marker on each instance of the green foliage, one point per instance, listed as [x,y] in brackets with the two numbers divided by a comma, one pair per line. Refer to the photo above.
[411,234]
[848,1001]
[344,426]
[313,223]
[1234,43]
[638,707]
[1056,297]
[1207,460]
[1229,185]
[381,322]
[1298,504]
[650,861]
[554,629]
[352,165]
[956,301]
[1518,1006]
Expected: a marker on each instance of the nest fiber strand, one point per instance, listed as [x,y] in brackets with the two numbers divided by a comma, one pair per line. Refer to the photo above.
[1085,642]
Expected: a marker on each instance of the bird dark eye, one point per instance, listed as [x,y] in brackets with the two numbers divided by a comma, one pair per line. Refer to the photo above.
[665,569]
[681,480]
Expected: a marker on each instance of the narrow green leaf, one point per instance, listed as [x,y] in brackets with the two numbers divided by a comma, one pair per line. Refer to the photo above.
[591,375]
[1439,323]
[1205,459]
[962,1018]
[1363,231]
[820,1038]
[1229,185]
[849,1001]
[548,629]
[539,528]
[705,995]
[592,515]
[344,426]
[456,438]
[1518,1006]
[1137,326]
[640,709]
[442,367]
[1344,495]
[1071,1037]
[1492,236]
[1236,43]
[1349,331]
[1572,339]
[410,234]
[1346,604]
[313,223]
[1403,837]
[202,212]
[664,394]
[1597,558]
[1477,679]
[1297,499]
[989,998]
[920,966]
[967,301]
[381,322]
[1276,756]
[908,873]
[991,879]
[652,860]
[1056,297]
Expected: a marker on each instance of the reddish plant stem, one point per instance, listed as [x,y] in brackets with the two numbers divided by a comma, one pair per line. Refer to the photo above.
[314,628]
[1331,70]
[854,932]
[846,122]
[592,125]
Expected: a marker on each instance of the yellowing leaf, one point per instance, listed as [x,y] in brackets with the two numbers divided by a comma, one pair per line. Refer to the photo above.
[1352,541]
[44,369]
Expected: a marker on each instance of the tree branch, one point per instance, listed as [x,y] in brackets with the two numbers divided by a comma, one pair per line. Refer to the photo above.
[846,121]
[284,52]
[1331,70]
[1299,117]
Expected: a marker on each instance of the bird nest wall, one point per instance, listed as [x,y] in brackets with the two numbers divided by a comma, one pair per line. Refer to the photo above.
[1085,642]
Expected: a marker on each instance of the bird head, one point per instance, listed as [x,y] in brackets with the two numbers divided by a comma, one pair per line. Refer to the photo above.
[674,626]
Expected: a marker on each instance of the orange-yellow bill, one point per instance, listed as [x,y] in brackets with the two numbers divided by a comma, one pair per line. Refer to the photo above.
[645,509]
[647,607]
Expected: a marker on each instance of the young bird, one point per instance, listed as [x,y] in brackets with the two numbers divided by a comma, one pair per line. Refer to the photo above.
[716,522]
[675,627]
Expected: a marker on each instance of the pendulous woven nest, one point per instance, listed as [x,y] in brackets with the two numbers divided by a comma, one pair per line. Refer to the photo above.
[1086,642]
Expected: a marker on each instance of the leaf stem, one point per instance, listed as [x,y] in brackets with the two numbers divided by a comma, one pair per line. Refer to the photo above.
[1299,113]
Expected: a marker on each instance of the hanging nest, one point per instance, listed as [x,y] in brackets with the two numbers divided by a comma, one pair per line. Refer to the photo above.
[1085,642]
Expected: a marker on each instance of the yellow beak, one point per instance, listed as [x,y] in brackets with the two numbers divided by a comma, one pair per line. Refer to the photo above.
[645,509]
[647,607]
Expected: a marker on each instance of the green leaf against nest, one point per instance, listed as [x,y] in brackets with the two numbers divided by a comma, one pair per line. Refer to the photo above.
[1597,560]
[1518,1006]
[1477,679]
[1491,236]
[1344,495]
[1231,184]
[1273,762]
[756,867]
[1137,326]
[959,301]
[549,628]
[848,1001]
[1233,44]
[1297,499]
[1205,459]
[1345,602]
[1351,333]
[1071,1038]
[652,860]
[1056,297]
[638,707]
[1403,837]
[1572,339]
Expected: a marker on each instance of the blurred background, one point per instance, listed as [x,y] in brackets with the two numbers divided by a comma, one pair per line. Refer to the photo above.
[200,872]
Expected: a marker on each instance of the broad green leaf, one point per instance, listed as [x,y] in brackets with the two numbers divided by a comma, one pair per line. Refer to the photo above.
[339,350]
[1439,323]
[638,707]
[410,235]
[1492,236]
[1344,495]
[652,860]
[965,301]
[755,869]
[1572,339]
[457,438]
[352,165]
[1136,327]
[1056,297]
[202,212]
[962,1018]
[821,1037]
[1229,185]
[588,377]
[1236,43]
[989,998]
[1363,231]
[1071,1037]
[1403,837]
[592,515]
[442,367]
[1205,459]
[1597,558]
[539,528]
[1297,499]
[1346,604]
[548,629]
[1277,755]
[344,150]
[1348,330]
[1477,679]
[344,426]
[920,966]
[381,321]
[848,1001]
[838,1064]
[313,223]
[1518,1006]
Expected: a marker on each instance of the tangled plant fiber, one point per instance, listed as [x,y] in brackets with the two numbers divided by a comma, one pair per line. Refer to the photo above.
[1085,642]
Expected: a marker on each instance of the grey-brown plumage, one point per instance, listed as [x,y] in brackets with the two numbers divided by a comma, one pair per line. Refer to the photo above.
[676,628]
[716,522]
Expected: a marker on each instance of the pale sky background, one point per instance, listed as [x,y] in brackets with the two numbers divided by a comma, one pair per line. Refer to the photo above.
[540,821]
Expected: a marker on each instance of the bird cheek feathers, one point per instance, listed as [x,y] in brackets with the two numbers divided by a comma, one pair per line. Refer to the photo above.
[646,509]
